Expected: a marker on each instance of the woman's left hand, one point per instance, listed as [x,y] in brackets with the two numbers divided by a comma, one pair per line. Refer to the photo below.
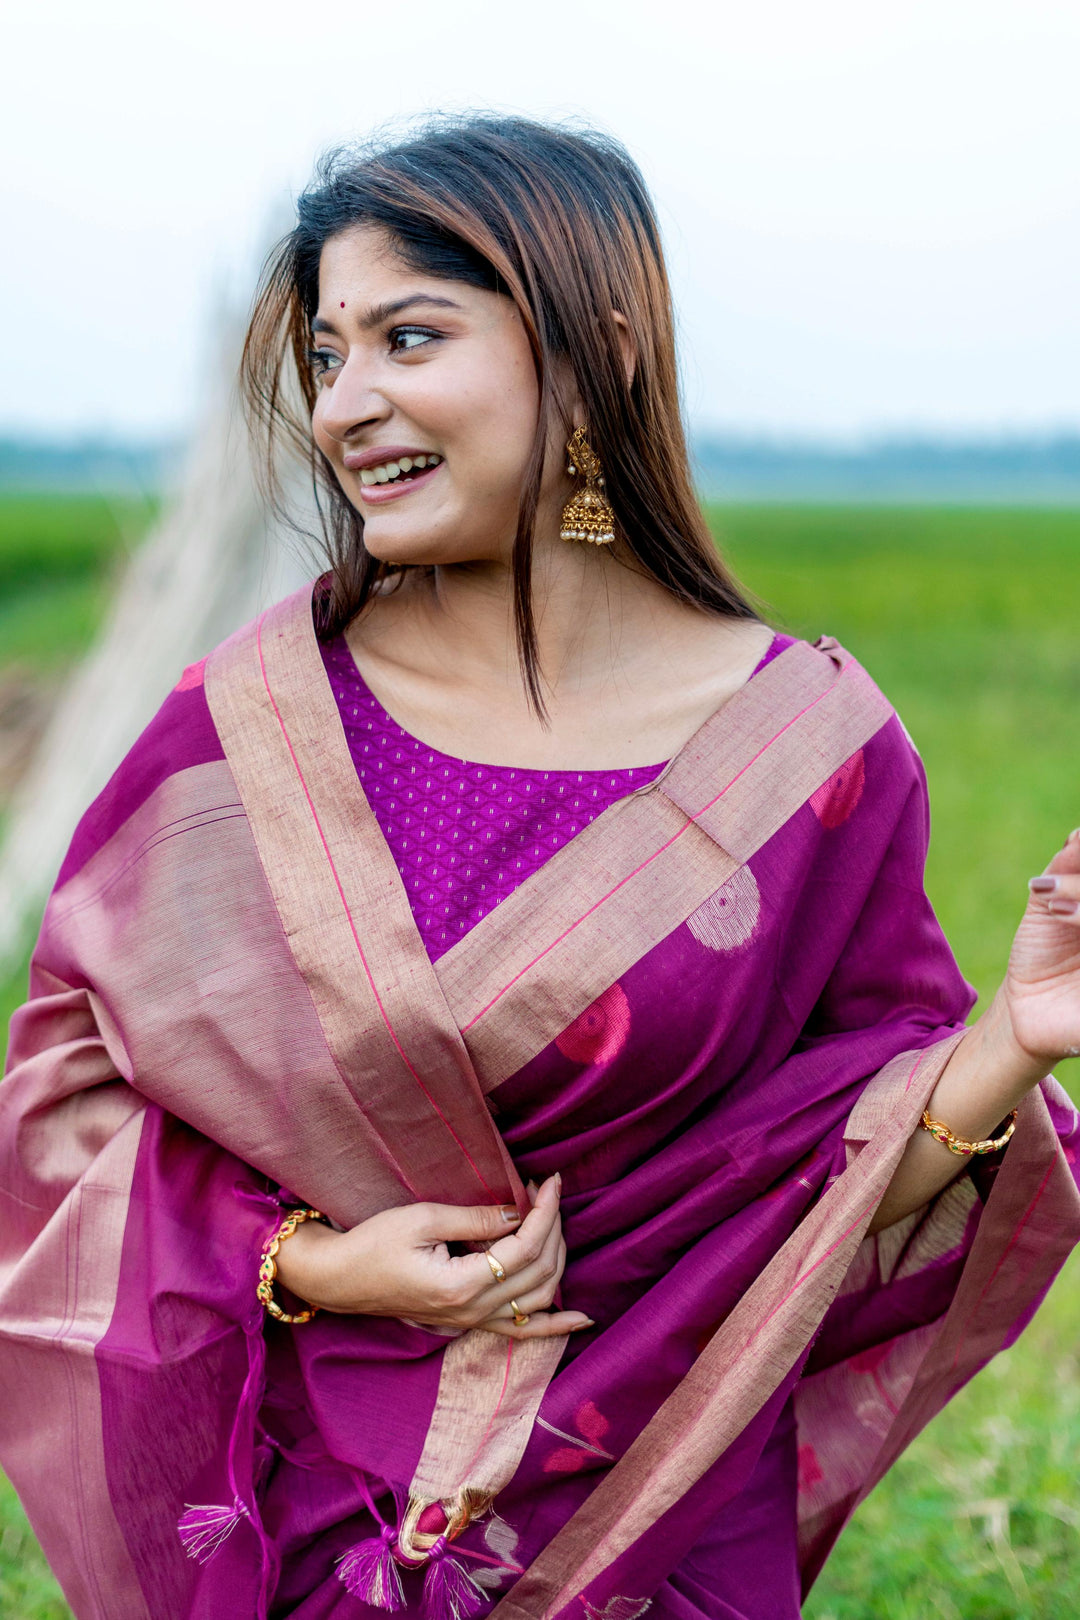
[1042,985]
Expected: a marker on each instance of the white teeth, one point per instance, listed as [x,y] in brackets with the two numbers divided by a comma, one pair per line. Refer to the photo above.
[390,470]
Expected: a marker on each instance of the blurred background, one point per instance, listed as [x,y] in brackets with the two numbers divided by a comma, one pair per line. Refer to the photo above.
[872,216]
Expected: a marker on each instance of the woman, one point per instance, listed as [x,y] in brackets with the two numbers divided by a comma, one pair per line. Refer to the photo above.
[494,1128]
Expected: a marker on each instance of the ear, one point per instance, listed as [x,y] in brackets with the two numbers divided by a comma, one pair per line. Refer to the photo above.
[626,344]
[568,401]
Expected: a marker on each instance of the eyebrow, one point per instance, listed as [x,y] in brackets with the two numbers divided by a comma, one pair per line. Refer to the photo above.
[379,313]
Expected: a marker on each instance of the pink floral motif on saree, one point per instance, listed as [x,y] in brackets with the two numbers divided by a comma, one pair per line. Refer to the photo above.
[599,1033]
[810,1470]
[592,1426]
[838,798]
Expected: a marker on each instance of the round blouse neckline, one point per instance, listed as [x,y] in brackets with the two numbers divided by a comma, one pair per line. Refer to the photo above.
[338,650]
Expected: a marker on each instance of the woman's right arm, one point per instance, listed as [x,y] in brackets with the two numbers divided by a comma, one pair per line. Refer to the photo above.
[398,1263]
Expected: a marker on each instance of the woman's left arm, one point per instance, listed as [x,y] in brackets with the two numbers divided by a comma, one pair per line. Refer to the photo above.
[1032,1023]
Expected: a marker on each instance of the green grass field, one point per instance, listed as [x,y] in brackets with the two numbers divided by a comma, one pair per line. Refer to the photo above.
[968,620]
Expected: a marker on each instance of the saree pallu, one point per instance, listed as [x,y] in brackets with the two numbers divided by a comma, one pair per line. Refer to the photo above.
[718,1012]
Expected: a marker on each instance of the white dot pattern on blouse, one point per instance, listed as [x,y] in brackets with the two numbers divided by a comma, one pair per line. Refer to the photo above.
[464,836]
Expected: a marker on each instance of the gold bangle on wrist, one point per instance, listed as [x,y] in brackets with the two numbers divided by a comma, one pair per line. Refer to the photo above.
[956,1144]
[268,1266]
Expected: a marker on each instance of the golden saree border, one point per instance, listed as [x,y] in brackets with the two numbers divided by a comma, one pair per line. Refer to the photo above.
[346,915]
[491,1386]
[56,1304]
[347,920]
[176,915]
[532,965]
[1027,1229]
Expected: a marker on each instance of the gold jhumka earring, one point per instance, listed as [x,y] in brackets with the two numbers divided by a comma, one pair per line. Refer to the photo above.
[587,515]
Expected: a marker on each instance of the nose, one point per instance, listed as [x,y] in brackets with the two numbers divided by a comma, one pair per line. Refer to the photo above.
[351,404]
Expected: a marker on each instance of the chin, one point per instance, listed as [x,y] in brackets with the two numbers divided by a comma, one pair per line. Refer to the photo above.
[413,550]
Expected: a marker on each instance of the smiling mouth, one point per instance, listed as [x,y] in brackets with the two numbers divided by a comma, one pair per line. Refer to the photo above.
[402,471]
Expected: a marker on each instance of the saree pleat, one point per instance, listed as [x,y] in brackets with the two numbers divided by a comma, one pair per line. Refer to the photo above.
[717,1012]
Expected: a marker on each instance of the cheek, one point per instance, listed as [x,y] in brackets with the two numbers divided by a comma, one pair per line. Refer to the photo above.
[496,425]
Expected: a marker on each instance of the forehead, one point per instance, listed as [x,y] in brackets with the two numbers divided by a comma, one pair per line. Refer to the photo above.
[361,250]
[363,264]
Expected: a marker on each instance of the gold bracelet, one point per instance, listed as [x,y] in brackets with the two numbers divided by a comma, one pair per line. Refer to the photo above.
[268,1267]
[956,1144]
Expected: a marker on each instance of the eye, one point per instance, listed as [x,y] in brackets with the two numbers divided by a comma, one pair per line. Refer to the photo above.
[323,362]
[402,339]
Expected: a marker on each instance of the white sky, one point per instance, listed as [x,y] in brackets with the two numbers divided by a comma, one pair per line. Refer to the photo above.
[872,209]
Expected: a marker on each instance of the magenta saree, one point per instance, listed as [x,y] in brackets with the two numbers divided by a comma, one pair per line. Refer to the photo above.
[718,1012]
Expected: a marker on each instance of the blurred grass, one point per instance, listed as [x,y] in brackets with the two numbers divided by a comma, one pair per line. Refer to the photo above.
[58,557]
[968,620]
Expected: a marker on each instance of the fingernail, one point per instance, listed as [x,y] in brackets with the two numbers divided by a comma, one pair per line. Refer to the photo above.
[1042,885]
[558,1183]
[1073,836]
[581,1326]
[509,1213]
[1064,908]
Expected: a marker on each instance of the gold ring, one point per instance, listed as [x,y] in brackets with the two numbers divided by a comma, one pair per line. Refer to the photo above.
[496,1269]
[520,1317]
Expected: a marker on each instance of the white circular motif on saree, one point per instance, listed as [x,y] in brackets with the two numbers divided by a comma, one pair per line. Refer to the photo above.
[598,1034]
[837,798]
[729,918]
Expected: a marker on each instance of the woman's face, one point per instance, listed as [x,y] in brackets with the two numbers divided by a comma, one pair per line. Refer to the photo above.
[410,367]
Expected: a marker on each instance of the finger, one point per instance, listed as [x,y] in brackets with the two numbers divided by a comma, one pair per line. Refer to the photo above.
[472,1282]
[544,1325]
[525,1245]
[528,1302]
[482,1298]
[465,1223]
[535,1287]
[1067,858]
[539,1229]
[1058,892]
[544,1273]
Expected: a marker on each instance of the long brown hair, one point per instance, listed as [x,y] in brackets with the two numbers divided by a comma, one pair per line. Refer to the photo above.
[560,221]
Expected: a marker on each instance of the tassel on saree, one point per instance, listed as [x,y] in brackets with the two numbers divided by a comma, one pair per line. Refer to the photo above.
[206,1525]
[450,1593]
[369,1571]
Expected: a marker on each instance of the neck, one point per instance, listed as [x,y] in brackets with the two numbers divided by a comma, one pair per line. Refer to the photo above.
[590,612]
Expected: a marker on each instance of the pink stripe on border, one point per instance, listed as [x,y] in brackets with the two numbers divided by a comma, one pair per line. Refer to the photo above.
[696,816]
[1028,1213]
[809,1272]
[352,925]
[496,1409]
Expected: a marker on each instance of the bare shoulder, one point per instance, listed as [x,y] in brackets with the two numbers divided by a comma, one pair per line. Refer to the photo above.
[715,656]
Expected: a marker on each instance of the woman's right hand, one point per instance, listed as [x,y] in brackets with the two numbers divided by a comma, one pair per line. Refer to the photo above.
[398,1264]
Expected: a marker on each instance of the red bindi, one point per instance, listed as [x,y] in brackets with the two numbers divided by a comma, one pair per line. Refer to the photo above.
[343,303]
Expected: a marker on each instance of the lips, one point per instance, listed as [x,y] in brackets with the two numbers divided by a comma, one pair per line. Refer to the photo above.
[381,455]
